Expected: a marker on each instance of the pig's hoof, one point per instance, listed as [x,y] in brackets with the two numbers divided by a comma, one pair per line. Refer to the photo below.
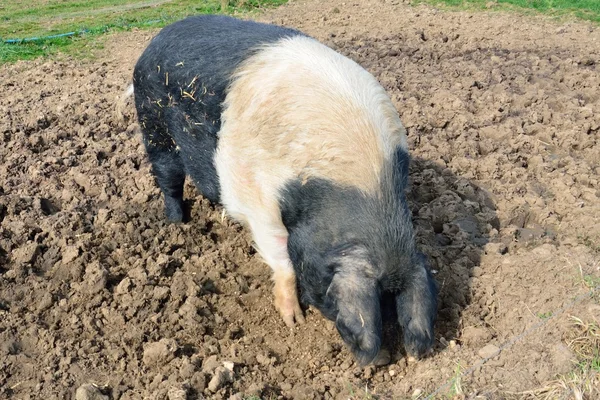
[290,311]
[286,298]
[383,358]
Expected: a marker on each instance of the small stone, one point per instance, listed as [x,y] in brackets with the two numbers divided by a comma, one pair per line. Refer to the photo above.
[392,373]
[417,393]
[159,353]
[488,351]
[237,396]
[228,365]
[452,344]
[89,392]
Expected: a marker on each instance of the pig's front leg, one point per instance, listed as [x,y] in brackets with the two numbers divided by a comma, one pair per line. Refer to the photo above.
[286,297]
[271,243]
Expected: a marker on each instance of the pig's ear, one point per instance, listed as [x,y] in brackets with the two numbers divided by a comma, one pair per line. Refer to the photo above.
[358,320]
[416,306]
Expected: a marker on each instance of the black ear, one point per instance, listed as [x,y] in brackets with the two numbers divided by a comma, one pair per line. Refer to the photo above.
[416,306]
[358,318]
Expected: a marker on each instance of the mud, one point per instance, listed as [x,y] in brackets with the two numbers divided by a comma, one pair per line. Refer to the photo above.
[100,296]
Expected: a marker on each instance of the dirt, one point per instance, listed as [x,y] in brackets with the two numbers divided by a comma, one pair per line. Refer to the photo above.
[101,298]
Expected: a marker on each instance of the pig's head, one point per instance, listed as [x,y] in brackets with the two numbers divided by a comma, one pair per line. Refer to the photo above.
[346,258]
[351,298]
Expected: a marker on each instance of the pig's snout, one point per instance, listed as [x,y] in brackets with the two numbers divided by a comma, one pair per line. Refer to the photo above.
[358,320]
[417,308]
[364,339]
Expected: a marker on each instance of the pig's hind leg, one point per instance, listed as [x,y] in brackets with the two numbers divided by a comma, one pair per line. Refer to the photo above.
[169,171]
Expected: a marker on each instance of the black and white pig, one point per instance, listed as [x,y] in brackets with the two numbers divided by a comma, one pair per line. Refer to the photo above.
[303,146]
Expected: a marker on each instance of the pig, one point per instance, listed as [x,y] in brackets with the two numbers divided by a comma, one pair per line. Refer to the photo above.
[304,147]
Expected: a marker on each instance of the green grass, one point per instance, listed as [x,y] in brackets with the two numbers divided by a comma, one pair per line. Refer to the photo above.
[22,19]
[545,315]
[26,19]
[583,9]
[456,388]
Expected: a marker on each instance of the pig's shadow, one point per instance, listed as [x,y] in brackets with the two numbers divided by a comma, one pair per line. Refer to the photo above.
[453,219]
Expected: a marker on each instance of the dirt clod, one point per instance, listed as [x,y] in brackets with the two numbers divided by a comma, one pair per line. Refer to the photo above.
[95,277]
[488,351]
[159,353]
[89,392]
[70,253]
[177,393]
[26,254]
[220,377]
[210,364]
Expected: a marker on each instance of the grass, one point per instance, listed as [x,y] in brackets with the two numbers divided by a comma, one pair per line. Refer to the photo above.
[456,388]
[583,9]
[355,393]
[583,382]
[92,18]
[545,315]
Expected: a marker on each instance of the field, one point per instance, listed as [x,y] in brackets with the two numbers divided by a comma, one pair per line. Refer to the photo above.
[100,296]
[48,27]
[584,9]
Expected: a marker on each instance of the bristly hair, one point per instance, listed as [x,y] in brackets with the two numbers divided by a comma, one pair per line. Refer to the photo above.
[324,218]
[389,237]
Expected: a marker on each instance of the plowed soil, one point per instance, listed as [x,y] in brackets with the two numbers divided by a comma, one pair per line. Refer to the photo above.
[97,289]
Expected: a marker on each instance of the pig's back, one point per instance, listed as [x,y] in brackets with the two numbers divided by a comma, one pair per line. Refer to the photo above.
[188,65]
[300,110]
[179,85]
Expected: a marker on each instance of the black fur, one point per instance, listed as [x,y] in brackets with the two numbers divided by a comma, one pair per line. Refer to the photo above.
[349,249]
[180,83]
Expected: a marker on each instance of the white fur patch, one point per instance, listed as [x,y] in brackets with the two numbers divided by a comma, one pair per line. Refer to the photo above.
[298,109]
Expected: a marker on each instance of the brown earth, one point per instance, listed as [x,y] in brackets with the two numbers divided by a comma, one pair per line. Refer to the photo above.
[98,292]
